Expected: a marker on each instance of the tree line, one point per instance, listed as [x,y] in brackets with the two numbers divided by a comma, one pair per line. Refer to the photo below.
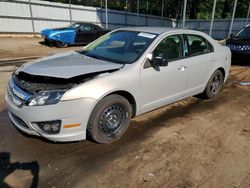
[196,9]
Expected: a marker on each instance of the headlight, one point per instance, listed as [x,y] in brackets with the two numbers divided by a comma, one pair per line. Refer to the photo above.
[46,98]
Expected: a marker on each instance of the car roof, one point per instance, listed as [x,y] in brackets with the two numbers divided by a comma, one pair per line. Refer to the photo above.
[156,30]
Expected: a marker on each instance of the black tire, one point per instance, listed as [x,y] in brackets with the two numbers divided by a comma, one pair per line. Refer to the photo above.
[214,85]
[60,44]
[109,119]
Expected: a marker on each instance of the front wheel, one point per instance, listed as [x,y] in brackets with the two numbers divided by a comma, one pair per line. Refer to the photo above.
[214,85]
[60,44]
[109,119]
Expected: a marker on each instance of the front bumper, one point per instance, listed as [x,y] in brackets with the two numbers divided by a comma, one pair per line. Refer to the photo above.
[69,112]
[49,42]
[240,55]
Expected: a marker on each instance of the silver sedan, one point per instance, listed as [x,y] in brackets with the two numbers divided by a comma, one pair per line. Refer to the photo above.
[127,72]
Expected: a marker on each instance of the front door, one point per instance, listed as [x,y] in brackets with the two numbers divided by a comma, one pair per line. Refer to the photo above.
[164,84]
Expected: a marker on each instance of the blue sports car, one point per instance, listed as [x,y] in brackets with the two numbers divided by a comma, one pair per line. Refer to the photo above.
[76,33]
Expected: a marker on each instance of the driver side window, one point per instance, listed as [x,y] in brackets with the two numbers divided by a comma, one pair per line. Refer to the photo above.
[170,48]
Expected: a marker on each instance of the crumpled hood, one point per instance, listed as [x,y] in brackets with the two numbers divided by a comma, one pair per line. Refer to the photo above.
[67,65]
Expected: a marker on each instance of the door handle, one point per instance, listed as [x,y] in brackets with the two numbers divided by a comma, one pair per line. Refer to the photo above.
[213,59]
[182,68]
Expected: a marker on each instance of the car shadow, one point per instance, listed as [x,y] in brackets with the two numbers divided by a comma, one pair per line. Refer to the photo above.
[46,44]
[7,168]
[241,62]
[42,43]
[54,46]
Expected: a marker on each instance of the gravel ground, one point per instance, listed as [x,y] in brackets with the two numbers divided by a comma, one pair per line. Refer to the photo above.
[192,143]
[23,47]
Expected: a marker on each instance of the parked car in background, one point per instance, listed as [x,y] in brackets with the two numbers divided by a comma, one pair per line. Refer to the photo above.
[240,44]
[76,33]
[125,73]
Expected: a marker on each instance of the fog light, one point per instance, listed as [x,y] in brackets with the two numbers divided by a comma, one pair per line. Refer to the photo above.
[46,127]
[50,127]
[55,127]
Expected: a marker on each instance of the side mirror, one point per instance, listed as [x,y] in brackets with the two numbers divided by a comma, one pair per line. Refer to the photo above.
[157,61]
[231,36]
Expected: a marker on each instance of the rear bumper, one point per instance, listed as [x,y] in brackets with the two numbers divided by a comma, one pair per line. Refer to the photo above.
[69,112]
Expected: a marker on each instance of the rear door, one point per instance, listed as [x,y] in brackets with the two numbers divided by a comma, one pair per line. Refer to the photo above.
[164,84]
[201,59]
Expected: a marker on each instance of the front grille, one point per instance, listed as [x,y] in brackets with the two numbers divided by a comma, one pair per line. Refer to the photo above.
[19,121]
[18,96]
[239,47]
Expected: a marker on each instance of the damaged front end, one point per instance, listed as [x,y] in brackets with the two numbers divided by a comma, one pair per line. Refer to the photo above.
[34,90]
[65,35]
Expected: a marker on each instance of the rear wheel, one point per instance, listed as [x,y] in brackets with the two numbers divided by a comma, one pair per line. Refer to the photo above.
[109,119]
[214,85]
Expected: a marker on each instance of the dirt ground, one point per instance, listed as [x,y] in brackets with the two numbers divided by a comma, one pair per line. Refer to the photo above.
[192,143]
[23,47]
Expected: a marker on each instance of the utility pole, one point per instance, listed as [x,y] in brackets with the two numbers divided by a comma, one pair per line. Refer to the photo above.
[106,13]
[212,20]
[184,13]
[126,14]
[137,18]
[248,12]
[162,9]
[147,15]
[32,19]
[70,13]
[232,20]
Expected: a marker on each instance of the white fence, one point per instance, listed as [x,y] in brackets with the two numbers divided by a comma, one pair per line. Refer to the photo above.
[20,16]
[23,17]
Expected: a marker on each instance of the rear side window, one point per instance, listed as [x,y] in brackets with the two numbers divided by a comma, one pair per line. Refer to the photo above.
[198,45]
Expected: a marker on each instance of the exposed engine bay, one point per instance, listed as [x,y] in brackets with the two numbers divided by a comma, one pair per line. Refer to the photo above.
[34,83]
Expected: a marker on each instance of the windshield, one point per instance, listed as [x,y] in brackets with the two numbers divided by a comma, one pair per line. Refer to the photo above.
[120,46]
[243,33]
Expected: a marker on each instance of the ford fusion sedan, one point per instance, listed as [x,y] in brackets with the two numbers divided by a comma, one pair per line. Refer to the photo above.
[97,90]
[76,33]
[240,44]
